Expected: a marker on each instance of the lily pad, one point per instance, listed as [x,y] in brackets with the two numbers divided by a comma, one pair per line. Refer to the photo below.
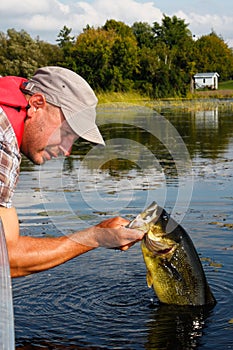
[53,213]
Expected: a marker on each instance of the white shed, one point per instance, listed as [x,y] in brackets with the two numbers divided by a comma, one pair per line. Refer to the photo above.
[208,80]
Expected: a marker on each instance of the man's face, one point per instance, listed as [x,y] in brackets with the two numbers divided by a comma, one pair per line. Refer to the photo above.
[46,135]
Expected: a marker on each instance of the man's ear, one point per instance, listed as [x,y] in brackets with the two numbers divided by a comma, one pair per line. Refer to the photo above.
[36,101]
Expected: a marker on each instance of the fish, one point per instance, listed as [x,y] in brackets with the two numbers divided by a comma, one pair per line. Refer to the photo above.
[174,268]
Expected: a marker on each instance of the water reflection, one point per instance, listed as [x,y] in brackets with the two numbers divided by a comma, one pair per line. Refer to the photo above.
[169,328]
[205,133]
[101,299]
[173,328]
[207,119]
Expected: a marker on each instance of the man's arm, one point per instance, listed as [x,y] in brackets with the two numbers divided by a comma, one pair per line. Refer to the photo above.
[31,254]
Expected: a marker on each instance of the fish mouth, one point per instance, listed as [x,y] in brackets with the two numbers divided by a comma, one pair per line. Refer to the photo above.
[143,220]
[156,247]
[152,213]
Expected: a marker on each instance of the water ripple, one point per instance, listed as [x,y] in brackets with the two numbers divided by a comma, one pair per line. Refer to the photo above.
[114,305]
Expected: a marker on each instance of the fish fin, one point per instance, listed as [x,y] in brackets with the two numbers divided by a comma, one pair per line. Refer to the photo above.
[149,279]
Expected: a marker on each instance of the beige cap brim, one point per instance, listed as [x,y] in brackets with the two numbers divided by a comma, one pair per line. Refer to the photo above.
[82,124]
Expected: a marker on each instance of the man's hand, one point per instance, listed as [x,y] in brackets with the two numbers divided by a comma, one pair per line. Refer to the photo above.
[124,234]
[115,222]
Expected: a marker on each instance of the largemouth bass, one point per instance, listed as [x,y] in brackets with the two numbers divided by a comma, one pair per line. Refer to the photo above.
[173,266]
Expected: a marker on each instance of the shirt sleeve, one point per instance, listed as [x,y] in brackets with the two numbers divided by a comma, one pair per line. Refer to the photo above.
[9,162]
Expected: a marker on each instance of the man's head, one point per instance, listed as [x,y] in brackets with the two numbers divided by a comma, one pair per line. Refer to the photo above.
[62,104]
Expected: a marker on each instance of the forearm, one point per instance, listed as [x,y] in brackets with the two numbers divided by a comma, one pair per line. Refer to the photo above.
[31,254]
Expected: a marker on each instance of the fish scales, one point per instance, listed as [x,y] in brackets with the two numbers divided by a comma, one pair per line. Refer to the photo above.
[174,269]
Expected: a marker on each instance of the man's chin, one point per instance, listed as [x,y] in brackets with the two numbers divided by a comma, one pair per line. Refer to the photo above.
[39,160]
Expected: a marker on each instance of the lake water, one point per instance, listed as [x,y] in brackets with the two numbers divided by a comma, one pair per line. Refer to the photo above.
[100,300]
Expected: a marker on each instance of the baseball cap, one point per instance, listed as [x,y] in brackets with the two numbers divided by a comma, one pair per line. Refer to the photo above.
[69,91]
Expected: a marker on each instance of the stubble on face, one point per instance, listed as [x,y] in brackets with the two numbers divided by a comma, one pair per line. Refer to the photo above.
[39,133]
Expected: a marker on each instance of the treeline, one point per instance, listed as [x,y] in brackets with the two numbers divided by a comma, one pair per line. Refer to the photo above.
[158,60]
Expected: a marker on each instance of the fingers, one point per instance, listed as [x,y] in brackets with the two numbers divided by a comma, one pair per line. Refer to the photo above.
[110,233]
[115,222]
[117,238]
[134,236]
[127,246]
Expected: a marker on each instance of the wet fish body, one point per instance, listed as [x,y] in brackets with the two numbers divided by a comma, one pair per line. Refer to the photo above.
[173,266]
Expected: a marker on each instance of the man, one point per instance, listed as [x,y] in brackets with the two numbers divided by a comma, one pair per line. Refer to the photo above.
[42,117]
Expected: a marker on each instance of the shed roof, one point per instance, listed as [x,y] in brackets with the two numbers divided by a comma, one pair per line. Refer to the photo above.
[206,75]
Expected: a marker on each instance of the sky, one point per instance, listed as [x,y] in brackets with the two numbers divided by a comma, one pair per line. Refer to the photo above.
[45,18]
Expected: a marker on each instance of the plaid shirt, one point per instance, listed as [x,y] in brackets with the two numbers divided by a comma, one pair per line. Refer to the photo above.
[9,161]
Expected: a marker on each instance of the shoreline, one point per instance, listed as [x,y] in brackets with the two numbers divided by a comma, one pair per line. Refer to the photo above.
[200,101]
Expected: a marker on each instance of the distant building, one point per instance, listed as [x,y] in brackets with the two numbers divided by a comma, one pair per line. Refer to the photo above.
[206,80]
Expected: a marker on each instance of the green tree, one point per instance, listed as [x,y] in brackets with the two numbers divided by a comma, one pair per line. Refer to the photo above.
[124,63]
[173,31]
[92,54]
[212,54]
[19,53]
[118,27]
[64,38]
[149,65]
[159,60]
[51,54]
[107,56]
[124,56]
[144,34]
[175,52]
[66,44]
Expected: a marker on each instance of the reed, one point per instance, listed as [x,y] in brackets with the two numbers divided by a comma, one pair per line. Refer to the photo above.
[125,97]
[206,100]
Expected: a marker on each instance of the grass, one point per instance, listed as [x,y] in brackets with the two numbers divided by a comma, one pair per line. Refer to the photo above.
[202,100]
[226,85]
[125,97]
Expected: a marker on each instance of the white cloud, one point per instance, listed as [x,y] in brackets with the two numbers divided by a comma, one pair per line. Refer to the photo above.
[47,17]
[26,7]
[129,11]
[47,22]
[201,24]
